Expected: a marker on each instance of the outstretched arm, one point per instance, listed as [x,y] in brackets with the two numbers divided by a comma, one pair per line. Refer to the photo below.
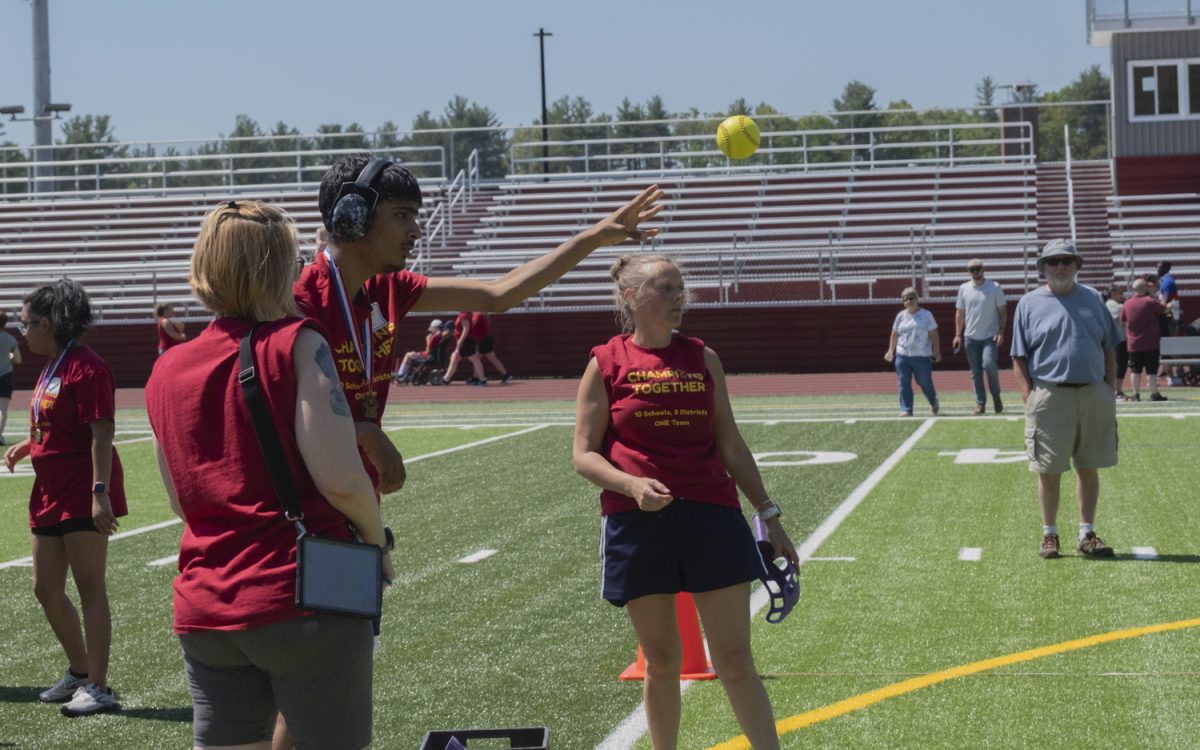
[498,295]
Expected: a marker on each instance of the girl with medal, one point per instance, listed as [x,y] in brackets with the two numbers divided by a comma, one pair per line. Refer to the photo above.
[78,491]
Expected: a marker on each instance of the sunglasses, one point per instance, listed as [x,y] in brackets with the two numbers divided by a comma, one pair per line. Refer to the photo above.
[976,269]
[301,262]
[908,299]
[1059,261]
[23,325]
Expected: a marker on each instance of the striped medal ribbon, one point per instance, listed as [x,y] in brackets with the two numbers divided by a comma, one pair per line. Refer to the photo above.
[362,348]
[48,373]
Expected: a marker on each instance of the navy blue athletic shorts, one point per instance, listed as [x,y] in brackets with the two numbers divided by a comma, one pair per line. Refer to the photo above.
[687,546]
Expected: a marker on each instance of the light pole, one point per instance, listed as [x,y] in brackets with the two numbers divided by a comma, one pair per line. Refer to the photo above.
[42,134]
[541,35]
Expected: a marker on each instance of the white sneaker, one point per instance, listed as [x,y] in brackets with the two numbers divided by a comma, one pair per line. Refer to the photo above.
[90,699]
[63,689]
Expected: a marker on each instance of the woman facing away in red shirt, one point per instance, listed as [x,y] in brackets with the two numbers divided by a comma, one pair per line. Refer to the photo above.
[655,430]
[78,493]
[248,650]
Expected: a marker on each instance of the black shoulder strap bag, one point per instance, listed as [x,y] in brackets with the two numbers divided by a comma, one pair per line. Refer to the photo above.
[344,578]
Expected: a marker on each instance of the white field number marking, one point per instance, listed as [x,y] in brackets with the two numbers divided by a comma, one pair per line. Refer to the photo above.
[985,456]
[803,458]
[970,554]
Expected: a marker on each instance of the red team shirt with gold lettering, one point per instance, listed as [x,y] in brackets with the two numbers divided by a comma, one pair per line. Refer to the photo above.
[661,421]
[395,293]
[81,392]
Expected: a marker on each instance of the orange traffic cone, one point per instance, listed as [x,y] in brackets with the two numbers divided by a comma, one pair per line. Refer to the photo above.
[695,664]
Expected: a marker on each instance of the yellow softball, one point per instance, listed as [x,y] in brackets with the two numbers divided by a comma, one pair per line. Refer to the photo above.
[737,137]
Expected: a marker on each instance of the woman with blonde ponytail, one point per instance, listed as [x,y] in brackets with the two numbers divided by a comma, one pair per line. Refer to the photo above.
[654,430]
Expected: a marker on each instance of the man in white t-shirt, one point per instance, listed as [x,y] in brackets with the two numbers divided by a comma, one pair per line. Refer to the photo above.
[980,316]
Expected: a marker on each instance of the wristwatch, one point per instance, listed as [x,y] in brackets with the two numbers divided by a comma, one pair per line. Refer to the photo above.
[99,488]
[768,510]
[389,541]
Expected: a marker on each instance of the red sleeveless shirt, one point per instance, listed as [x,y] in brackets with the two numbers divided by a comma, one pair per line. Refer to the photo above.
[661,420]
[237,559]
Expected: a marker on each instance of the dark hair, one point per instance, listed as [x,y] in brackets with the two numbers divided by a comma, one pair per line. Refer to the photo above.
[3,318]
[394,183]
[65,305]
[161,308]
[1164,268]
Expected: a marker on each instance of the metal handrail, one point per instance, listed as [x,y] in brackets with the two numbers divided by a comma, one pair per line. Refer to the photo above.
[864,144]
[165,167]
[473,171]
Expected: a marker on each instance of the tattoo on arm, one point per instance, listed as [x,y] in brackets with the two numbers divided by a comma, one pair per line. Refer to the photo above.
[337,398]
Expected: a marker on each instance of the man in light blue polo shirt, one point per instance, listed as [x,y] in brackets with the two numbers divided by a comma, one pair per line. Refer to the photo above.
[979,318]
[1063,350]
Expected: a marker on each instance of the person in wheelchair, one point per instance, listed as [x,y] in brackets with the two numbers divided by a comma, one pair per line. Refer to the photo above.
[414,359]
[434,367]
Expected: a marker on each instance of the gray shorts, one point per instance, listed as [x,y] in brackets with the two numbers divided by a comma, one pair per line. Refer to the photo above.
[315,670]
[1065,425]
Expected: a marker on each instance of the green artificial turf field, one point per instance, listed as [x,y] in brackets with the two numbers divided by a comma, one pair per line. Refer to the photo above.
[522,638]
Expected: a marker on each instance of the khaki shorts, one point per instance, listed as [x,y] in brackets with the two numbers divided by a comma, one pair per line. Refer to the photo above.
[1064,424]
[316,670]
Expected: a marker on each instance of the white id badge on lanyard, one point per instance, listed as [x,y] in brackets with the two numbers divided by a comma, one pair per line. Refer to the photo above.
[378,322]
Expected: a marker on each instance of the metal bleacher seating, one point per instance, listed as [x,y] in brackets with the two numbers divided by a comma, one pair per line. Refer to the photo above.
[807,231]
[1147,229]
[130,253]
[819,236]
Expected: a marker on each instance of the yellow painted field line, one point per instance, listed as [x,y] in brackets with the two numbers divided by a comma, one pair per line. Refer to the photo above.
[833,710]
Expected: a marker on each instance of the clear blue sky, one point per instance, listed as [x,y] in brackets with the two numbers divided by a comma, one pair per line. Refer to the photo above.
[170,69]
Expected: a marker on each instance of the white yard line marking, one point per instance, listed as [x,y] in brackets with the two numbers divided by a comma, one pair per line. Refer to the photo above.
[851,421]
[1145,553]
[24,562]
[970,554]
[830,524]
[633,727]
[133,440]
[485,441]
[832,559]
[144,529]
[475,557]
[163,561]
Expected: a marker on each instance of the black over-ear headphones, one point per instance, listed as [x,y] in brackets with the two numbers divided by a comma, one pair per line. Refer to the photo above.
[355,207]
